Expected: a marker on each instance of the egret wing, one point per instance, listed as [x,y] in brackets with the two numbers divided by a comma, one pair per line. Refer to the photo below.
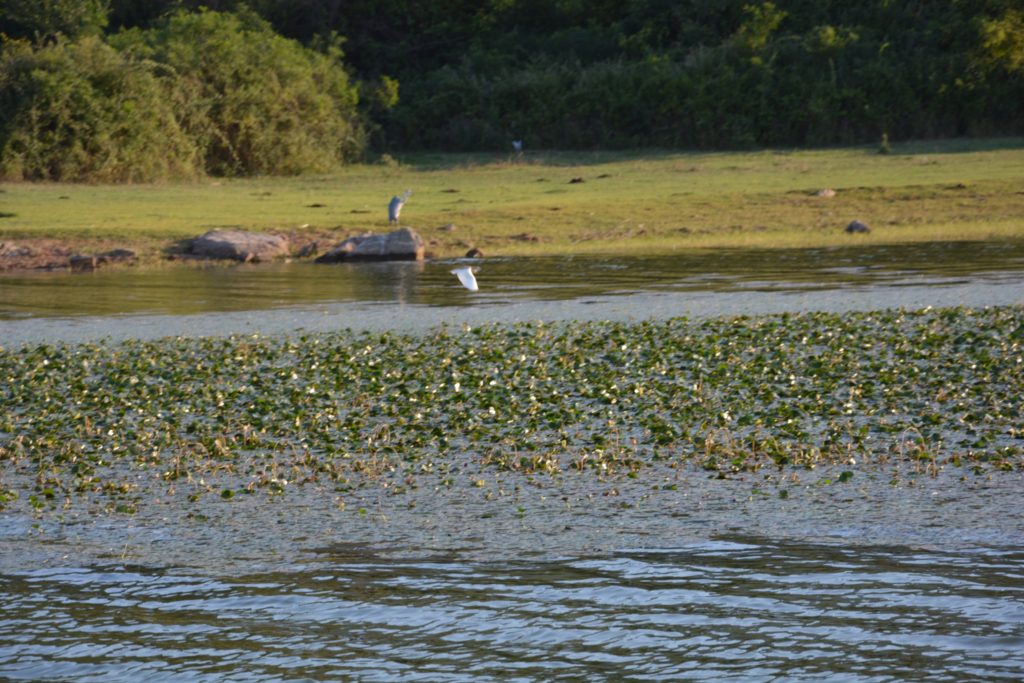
[467,278]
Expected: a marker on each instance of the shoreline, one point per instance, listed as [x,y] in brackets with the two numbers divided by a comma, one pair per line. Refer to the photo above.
[47,254]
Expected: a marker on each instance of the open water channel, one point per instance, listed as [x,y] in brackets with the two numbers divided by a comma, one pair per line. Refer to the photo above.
[707,580]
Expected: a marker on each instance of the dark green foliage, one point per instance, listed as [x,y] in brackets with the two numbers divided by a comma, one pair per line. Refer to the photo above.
[254,102]
[694,73]
[205,92]
[565,73]
[48,18]
[674,74]
[81,111]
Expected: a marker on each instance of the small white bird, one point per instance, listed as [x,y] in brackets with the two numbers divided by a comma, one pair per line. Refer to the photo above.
[517,145]
[395,207]
[466,277]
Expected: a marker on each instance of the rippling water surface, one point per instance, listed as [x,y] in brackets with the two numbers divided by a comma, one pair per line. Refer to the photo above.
[744,607]
[708,580]
[274,298]
[503,281]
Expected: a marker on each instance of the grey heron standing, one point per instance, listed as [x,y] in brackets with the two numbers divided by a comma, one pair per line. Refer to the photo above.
[395,207]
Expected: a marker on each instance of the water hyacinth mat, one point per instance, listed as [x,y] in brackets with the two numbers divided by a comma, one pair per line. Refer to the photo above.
[764,402]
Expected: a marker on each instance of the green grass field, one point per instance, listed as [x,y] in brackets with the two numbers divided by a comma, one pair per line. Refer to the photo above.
[639,202]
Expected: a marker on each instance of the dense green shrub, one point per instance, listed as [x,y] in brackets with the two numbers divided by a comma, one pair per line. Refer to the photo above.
[253,101]
[747,74]
[609,104]
[81,111]
[264,90]
[48,18]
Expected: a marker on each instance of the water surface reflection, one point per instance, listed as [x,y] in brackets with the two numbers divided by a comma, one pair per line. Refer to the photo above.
[877,582]
[411,297]
[273,286]
[732,607]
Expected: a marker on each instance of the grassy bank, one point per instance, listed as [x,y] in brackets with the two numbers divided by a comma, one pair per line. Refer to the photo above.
[764,400]
[642,202]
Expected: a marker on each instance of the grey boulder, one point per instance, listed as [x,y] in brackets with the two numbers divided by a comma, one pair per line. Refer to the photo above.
[239,245]
[403,244]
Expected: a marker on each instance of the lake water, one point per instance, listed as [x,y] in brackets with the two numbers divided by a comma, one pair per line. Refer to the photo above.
[736,608]
[276,298]
[707,579]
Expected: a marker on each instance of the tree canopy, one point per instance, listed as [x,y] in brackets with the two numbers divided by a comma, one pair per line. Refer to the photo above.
[278,86]
[82,111]
[254,101]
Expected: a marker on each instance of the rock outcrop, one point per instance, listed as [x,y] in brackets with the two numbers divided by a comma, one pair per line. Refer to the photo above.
[403,244]
[239,245]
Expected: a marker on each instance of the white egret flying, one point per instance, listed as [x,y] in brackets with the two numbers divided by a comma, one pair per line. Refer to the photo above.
[466,277]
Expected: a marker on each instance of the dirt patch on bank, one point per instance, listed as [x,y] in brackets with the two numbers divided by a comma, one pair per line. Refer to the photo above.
[35,254]
[32,254]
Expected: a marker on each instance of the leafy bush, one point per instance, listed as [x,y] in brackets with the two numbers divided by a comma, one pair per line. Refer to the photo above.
[236,97]
[730,74]
[612,104]
[43,18]
[81,111]
[253,101]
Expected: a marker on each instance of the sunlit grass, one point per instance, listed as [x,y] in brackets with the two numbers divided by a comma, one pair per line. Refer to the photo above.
[637,202]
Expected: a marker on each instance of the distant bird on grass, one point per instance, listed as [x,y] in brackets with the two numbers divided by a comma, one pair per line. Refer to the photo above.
[395,207]
[466,277]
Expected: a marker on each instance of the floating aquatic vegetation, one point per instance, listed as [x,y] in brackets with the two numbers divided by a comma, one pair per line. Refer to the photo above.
[106,425]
